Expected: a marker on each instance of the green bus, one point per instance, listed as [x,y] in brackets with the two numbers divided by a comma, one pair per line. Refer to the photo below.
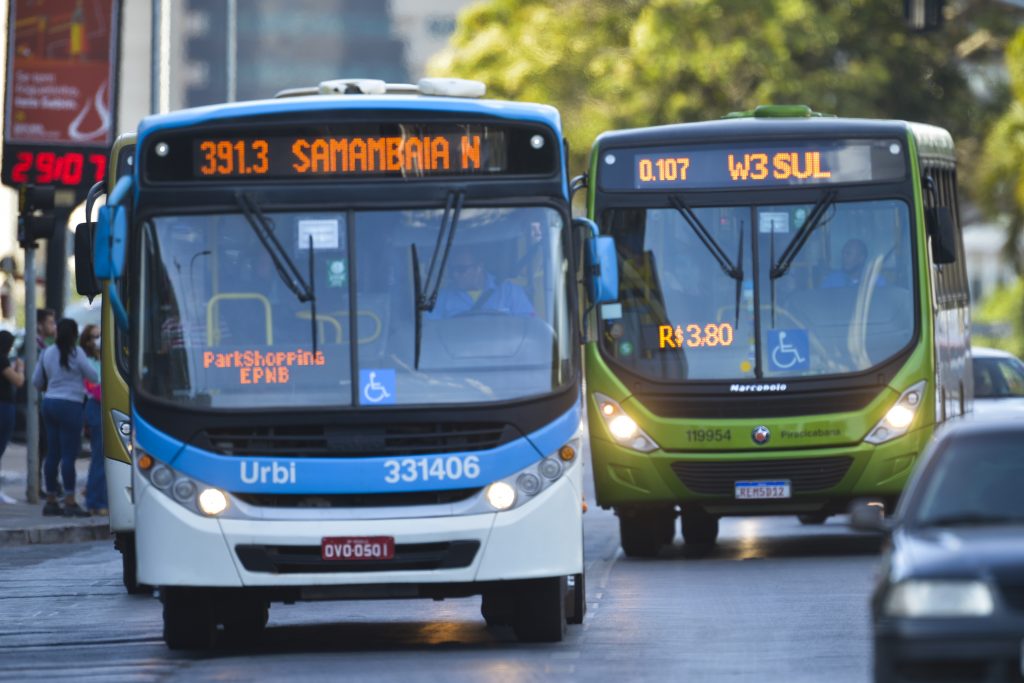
[792,320]
[115,404]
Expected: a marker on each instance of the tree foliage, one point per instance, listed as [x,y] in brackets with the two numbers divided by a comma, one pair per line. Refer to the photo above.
[999,183]
[609,64]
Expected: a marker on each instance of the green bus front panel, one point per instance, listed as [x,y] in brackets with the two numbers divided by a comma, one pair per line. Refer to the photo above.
[826,472]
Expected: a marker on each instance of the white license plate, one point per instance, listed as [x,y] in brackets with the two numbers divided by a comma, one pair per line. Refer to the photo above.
[762,490]
[357,548]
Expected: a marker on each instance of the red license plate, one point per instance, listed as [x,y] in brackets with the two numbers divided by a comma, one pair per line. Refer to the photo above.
[346,548]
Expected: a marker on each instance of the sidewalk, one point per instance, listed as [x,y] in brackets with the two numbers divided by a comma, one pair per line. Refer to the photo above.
[23,523]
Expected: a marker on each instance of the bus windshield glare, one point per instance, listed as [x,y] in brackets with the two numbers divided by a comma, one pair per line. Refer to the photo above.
[221,328]
[698,300]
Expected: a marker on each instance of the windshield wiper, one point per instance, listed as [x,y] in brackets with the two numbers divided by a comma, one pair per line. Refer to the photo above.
[971,519]
[706,238]
[426,292]
[800,238]
[733,270]
[445,235]
[283,263]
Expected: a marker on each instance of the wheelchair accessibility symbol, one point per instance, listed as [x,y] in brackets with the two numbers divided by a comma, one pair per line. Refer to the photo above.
[377,387]
[788,350]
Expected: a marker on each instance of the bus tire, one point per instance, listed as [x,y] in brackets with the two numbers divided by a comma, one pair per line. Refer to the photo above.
[700,529]
[540,610]
[642,531]
[244,619]
[576,599]
[189,619]
[129,566]
[498,606]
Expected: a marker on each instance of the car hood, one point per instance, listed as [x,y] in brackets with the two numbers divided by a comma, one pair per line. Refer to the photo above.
[957,552]
[990,405]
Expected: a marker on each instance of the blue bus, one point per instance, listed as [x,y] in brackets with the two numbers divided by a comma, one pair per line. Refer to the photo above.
[355,359]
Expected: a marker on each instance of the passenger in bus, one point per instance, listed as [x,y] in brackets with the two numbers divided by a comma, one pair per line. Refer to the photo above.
[471,289]
[854,261]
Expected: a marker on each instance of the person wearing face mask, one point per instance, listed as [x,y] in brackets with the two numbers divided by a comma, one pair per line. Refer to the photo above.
[96,486]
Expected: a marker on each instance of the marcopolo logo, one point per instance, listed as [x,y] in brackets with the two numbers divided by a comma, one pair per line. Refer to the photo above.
[756,388]
[274,473]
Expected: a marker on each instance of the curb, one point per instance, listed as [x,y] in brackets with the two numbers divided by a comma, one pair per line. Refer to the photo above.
[71,533]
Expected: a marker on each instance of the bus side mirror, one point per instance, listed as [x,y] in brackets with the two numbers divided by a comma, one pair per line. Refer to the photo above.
[943,233]
[85,276]
[112,233]
[602,267]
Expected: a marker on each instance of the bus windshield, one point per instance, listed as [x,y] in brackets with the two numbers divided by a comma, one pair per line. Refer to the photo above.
[741,292]
[222,329]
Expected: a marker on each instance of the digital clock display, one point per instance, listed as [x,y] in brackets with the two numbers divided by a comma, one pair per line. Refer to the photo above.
[382,151]
[747,165]
[67,169]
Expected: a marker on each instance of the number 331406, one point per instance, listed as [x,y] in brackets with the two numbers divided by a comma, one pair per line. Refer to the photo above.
[436,469]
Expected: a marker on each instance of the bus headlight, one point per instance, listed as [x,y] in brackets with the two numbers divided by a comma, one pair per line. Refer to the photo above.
[185,491]
[623,429]
[519,488]
[212,501]
[123,424]
[898,419]
[162,477]
[500,495]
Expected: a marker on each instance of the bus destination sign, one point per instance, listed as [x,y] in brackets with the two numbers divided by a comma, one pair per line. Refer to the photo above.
[359,151]
[772,164]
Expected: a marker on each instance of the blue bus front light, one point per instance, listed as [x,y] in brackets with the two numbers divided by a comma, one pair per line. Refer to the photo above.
[212,501]
[162,477]
[501,495]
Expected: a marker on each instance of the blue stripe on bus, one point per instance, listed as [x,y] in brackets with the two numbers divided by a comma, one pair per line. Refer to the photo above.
[243,474]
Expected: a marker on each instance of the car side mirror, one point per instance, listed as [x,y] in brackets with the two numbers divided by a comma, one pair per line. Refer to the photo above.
[868,515]
[602,266]
[942,229]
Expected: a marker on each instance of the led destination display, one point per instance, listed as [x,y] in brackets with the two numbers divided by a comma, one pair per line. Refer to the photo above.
[354,151]
[774,164]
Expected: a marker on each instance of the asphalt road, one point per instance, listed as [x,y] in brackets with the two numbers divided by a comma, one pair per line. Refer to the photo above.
[775,602]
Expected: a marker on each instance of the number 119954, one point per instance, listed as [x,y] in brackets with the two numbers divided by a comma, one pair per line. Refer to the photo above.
[431,469]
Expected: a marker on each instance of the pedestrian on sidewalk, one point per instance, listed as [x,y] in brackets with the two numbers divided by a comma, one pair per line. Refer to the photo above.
[12,376]
[96,488]
[61,373]
[46,332]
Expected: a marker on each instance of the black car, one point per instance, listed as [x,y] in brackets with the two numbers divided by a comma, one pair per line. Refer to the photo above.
[949,604]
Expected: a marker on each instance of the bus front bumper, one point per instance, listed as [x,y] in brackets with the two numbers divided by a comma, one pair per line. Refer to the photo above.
[821,479]
[540,538]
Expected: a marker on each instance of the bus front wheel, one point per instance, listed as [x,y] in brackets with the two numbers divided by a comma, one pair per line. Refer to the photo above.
[129,565]
[540,610]
[189,619]
[643,531]
[700,529]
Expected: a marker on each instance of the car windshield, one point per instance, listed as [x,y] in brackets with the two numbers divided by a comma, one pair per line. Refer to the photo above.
[998,377]
[973,480]
[221,328]
[698,300]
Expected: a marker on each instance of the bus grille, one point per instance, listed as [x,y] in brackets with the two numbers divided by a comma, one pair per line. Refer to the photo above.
[761,406]
[358,440]
[804,474]
[306,559]
[355,500]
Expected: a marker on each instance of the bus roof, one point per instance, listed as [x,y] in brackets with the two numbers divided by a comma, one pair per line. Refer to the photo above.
[513,111]
[931,140]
